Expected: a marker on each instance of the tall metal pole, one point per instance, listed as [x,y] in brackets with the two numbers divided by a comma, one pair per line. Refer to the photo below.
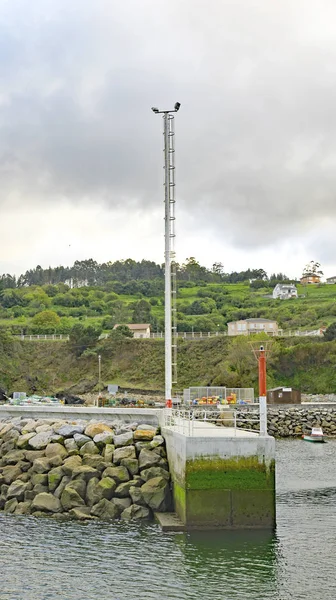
[169,183]
[168,319]
[262,391]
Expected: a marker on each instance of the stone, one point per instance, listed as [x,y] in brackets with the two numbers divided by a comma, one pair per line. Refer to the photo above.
[122,491]
[122,503]
[89,448]
[96,490]
[64,482]
[119,474]
[105,509]
[136,512]
[82,514]
[152,472]
[11,505]
[22,441]
[39,488]
[39,478]
[32,455]
[41,440]
[157,440]
[71,463]
[70,498]
[85,473]
[144,435]
[11,473]
[55,461]
[95,460]
[43,427]
[13,457]
[124,439]
[146,427]
[71,446]
[70,430]
[29,427]
[54,478]
[141,445]
[120,453]
[156,494]
[41,465]
[79,485]
[6,428]
[136,495]
[17,490]
[58,439]
[24,477]
[23,508]
[160,450]
[131,465]
[29,495]
[94,429]
[56,449]
[101,439]
[46,502]
[81,439]
[148,458]
[108,453]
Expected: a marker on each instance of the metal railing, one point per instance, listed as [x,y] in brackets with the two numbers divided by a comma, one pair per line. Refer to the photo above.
[192,394]
[203,421]
[186,335]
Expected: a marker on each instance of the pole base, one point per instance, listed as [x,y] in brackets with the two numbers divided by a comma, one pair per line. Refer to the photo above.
[169,404]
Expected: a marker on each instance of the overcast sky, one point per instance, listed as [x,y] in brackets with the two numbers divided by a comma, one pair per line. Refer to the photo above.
[81,152]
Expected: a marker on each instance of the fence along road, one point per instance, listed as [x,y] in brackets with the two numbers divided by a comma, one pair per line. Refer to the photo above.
[186,335]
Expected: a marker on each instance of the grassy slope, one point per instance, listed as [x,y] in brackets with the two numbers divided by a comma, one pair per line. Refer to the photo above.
[309,366]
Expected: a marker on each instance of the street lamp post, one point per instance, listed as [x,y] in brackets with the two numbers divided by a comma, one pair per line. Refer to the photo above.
[169,200]
[99,375]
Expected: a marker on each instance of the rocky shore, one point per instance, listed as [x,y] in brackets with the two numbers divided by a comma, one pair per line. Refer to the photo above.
[83,470]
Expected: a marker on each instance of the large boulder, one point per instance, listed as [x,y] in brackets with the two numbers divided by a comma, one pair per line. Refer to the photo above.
[11,505]
[122,491]
[82,514]
[136,512]
[46,502]
[144,435]
[32,455]
[39,478]
[95,460]
[94,429]
[71,446]
[79,485]
[41,465]
[119,474]
[41,440]
[70,498]
[17,490]
[89,448]
[131,464]
[96,490]
[101,439]
[23,508]
[81,439]
[120,453]
[69,430]
[23,440]
[71,463]
[13,457]
[108,452]
[124,439]
[54,478]
[157,440]
[156,494]
[148,458]
[155,472]
[85,473]
[136,495]
[56,450]
[122,503]
[61,486]
[10,473]
[105,509]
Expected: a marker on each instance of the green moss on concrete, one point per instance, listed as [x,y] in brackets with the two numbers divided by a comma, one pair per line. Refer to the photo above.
[240,473]
[253,509]
[208,508]
[179,493]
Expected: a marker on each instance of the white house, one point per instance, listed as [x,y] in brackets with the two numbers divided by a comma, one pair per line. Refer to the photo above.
[283,291]
[139,330]
[248,326]
[331,279]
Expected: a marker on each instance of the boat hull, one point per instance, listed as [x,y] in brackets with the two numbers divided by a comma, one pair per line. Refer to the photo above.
[314,439]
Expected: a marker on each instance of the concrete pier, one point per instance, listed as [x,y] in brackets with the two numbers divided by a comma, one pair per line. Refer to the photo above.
[222,477]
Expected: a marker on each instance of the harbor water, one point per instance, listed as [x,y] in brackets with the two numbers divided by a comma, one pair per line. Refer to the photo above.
[42,559]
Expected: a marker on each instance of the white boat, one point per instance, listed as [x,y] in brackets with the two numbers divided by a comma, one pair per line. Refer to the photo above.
[315,436]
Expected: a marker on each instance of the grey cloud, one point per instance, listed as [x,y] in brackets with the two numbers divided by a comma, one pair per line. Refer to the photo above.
[255,134]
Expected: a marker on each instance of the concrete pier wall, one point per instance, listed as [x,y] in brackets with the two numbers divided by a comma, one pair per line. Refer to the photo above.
[223,482]
[86,413]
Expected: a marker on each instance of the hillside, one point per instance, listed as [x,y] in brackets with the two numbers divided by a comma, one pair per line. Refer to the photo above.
[48,367]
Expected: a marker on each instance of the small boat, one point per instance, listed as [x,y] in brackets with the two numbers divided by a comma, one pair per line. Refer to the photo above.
[315,436]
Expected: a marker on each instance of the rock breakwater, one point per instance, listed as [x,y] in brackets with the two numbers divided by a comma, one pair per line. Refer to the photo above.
[83,470]
[293,421]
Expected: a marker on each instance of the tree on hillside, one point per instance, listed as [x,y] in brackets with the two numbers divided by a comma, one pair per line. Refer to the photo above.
[46,321]
[120,332]
[141,312]
[330,332]
[82,338]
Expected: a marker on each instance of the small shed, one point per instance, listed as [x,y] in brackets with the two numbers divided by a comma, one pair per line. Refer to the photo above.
[283,395]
